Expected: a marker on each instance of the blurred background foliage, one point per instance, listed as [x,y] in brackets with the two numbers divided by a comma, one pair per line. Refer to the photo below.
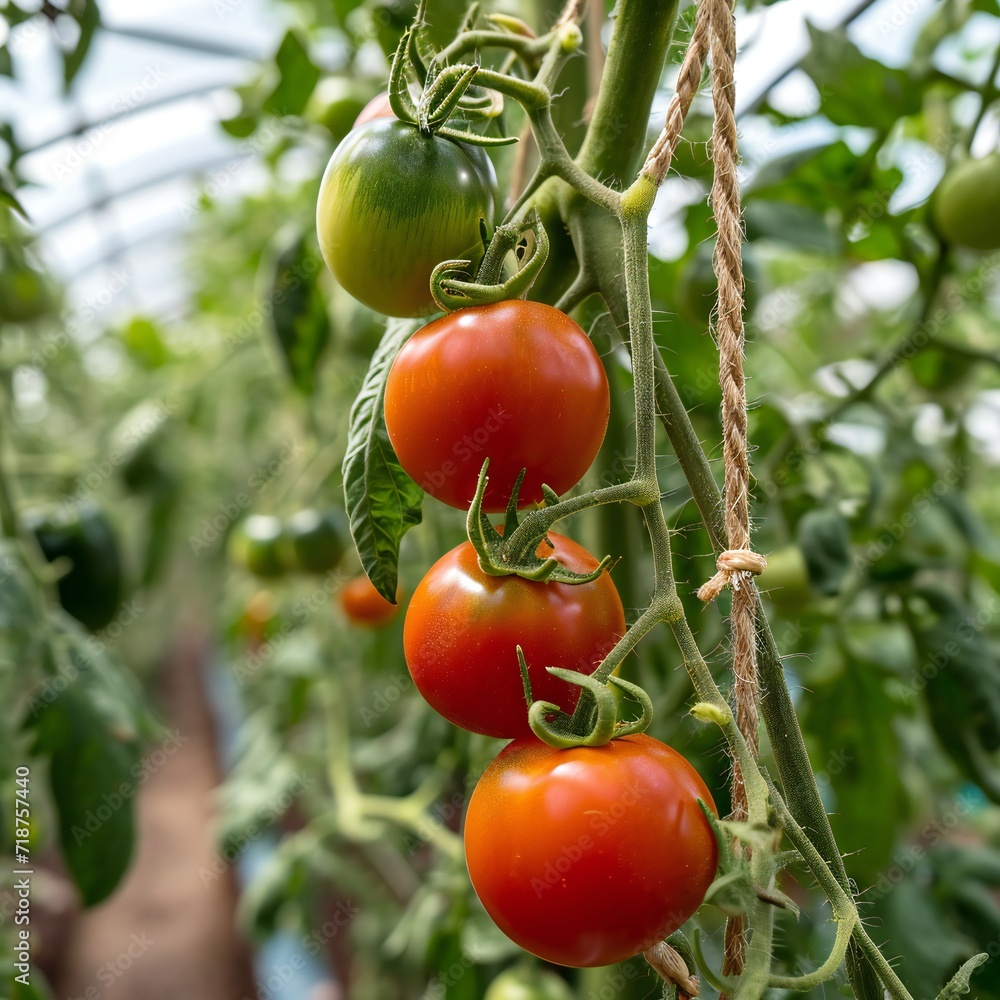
[874,354]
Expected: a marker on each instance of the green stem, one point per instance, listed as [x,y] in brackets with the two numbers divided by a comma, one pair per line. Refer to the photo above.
[776,706]
[987,95]
[842,902]
[616,138]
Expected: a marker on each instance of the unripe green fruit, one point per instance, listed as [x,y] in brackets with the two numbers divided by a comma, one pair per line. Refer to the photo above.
[254,543]
[525,984]
[965,207]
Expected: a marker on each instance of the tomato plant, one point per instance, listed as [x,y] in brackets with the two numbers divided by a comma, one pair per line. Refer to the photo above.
[607,333]
[463,628]
[393,203]
[566,847]
[478,384]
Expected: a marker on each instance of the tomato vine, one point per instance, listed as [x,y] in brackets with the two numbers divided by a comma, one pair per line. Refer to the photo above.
[607,227]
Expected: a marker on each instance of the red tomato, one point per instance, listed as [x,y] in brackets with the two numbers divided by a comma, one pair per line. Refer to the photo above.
[364,605]
[591,855]
[377,107]
[517,382]
[463,628]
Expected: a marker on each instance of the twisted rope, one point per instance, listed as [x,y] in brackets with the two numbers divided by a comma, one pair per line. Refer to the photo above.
[715,34]
[688,84]
[739,563]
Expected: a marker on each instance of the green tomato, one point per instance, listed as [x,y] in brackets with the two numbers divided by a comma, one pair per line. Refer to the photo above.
[336,103]
[254,544]
[786,580]
[393,204]
[528,984]
[24,295]
[313,542]
[965,206]
[91,590]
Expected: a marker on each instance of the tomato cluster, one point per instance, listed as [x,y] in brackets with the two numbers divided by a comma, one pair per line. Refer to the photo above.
[584,856]
[309,541]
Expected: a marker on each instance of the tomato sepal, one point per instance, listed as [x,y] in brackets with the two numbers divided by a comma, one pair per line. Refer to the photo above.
[559,729]
[496,555]
[449,285]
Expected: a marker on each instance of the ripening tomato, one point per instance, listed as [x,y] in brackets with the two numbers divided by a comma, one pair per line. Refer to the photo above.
[516,382]
[393,204]
[588,856]
[364,605]
[463,628]
[377,107]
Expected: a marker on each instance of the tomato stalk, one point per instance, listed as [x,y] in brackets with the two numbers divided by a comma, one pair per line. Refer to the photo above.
[360,815]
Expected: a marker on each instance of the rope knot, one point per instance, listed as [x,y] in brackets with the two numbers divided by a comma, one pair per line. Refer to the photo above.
[732,565]
[672,969]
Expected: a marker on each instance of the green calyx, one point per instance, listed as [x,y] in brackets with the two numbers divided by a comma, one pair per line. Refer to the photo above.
[446,94]
[506,554]
[562,730]
[451,289]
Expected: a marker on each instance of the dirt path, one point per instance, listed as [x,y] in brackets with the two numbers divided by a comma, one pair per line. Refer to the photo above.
[165,934]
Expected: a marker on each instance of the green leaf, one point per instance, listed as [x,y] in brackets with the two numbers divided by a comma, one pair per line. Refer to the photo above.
[825,541]
[383,502]
[298,315]
[852,719]
[959,670]
[297,78]
[959,983]
[240,127]
[87,15]
[795,225]
[36,989]
[854,89]
[909,916]
[90,720]
[7,195]
[279,880]
[93,773]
